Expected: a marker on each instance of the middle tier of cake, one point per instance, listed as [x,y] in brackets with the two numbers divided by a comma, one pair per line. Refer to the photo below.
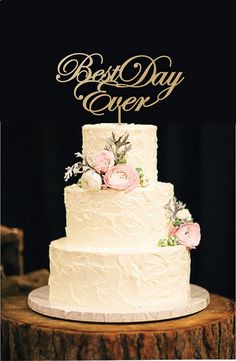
[108,218]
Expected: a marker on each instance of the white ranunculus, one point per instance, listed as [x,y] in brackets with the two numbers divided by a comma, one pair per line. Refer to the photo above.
[91,181]
[184,214]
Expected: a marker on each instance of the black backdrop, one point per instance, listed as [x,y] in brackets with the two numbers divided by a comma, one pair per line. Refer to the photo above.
[41,120]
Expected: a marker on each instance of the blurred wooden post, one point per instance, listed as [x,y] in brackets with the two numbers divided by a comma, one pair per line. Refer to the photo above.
[13,279]
[16,285]
[12,243]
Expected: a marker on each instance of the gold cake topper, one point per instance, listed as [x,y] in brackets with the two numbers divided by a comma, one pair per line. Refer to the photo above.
[94,84]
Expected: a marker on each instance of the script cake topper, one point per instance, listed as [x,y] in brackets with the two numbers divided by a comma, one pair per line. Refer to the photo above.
[94,84]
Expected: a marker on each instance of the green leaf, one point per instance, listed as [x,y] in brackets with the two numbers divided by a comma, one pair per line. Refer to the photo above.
[177,222]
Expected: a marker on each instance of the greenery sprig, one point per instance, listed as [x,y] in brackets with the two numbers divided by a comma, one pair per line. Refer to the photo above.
[173,207]
[115,146]
[78,167]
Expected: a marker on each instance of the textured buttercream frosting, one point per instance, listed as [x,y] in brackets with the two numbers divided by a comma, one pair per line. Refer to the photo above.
[119,279]
[109,258]
[111,218]
[143,138]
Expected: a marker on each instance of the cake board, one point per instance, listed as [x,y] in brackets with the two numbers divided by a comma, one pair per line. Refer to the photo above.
[38,301]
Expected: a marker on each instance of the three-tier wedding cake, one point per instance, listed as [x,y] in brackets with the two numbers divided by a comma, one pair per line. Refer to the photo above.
[128,240]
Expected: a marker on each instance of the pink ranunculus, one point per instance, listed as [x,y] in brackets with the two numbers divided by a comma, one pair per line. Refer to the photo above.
[103,161]
[122,176]
[172,231]
[189,234]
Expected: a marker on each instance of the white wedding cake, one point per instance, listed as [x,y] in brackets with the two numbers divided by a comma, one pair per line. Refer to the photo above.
[128,240]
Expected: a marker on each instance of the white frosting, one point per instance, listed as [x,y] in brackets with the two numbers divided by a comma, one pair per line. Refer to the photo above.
[142,137]
[119,279]
[110,258]
[111,218]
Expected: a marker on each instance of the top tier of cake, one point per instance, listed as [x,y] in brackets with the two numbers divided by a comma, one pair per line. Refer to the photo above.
[143,138]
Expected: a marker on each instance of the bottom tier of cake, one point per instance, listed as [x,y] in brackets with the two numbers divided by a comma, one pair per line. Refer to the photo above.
[119,279]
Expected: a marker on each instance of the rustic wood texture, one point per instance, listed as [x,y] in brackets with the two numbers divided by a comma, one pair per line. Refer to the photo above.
[27,335]
[14,285]
[12,246]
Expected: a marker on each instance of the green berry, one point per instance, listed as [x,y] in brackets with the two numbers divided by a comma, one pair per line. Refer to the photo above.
[163,242]
[79,183]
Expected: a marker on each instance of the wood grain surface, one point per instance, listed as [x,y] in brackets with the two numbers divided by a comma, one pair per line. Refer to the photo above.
[27,335]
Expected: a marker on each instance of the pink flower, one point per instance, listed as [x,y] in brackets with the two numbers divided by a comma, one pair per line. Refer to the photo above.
[122,176]
[188,234]
[103,161]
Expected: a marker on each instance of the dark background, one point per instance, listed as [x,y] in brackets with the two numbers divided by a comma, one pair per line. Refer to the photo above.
[36,35]
[41,120]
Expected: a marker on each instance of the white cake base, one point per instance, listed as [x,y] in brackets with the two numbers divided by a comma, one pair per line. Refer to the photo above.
[38,301]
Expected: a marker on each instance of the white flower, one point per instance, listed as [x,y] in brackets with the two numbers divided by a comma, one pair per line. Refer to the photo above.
[91,181]
[184,214]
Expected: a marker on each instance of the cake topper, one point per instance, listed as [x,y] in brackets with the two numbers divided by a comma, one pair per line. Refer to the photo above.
[95,85]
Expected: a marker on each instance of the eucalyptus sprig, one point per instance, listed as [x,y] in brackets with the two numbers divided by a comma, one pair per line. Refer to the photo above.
[173,207]
[78,167]
[115,146]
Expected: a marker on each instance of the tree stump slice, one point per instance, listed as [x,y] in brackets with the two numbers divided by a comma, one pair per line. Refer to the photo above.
[27,335]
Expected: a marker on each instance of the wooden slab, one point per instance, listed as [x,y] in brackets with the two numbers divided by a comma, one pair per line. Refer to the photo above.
[14,285]
[12,246]
[27,335]
[38,301]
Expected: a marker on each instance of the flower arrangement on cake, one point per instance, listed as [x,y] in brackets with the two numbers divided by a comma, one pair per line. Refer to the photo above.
[183,230]
[108,168]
